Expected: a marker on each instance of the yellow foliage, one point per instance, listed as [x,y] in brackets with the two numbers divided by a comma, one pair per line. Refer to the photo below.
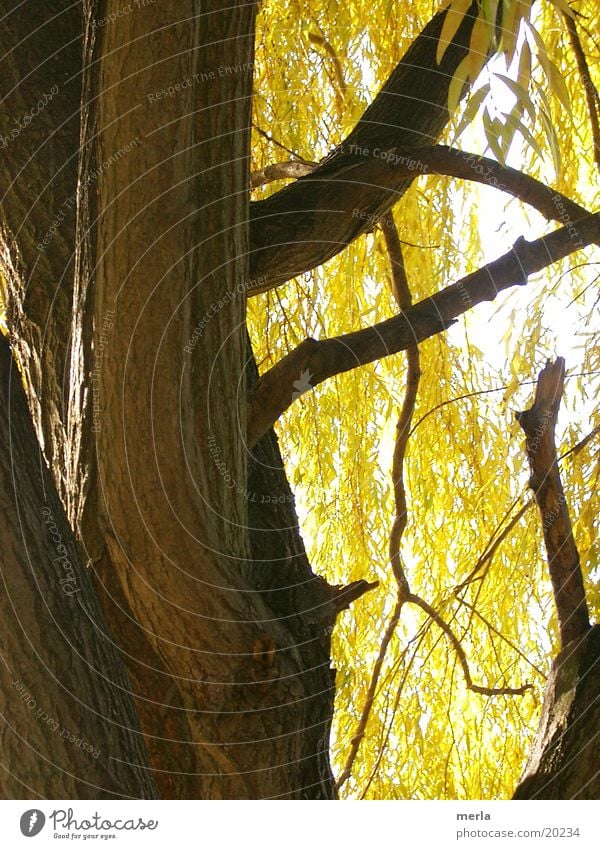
[466,476]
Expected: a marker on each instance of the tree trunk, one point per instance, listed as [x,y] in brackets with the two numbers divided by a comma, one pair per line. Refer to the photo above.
[69,729]
[40,72]
[163,493]
[563,763]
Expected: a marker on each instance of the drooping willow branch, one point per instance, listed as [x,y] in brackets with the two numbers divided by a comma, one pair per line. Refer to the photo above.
[314,361]
[404,594]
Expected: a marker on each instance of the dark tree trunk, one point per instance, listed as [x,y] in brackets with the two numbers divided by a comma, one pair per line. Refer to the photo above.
[163,492]
[40,78]
[69,729]
[563,763]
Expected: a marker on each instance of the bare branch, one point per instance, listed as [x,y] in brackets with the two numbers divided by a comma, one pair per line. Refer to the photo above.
[538,423]
[314,361]
[347,196]
[403,298]
[460,652]
[370,697]
[280,171]
[286,230]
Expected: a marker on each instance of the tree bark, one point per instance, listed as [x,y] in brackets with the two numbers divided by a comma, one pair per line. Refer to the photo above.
[214,650]
[68,728]
[40,70]
[563,763]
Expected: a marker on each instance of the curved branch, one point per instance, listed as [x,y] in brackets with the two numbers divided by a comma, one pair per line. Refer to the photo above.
[286,229]
[338,201]
[460,653]
[403,297]
[314,361]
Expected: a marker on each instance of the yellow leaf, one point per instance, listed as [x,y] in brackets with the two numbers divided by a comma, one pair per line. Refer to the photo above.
[564,7]
[457,84]
[479,45]
[524,73]
[474,103]
[452,21]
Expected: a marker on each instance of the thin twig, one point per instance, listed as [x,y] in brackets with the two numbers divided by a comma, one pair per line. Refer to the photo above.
[492,547]
[370,697]
[274,141]
[505,639]
[460,652]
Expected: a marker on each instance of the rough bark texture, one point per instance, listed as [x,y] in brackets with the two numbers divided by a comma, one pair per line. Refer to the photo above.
[563,763]
[564,760]
[231,673]
[68,728]
[40,74]
[539,423]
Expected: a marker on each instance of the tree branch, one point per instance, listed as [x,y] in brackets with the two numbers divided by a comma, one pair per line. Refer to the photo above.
[460,652]
[314,361]
[286,229]
[403,297]
[538,423]
[339,201]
